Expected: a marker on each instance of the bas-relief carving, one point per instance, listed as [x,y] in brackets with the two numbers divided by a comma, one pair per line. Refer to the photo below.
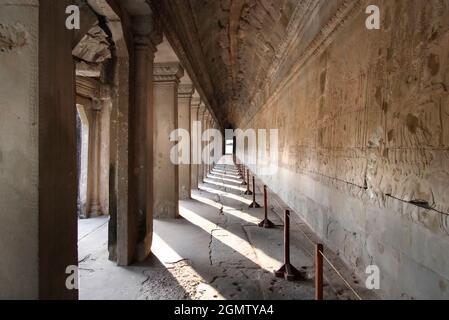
[12,37]
[19,169]
[408,98]
[371,111]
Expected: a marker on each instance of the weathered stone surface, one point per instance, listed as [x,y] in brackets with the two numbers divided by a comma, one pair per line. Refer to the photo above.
[12,37]
[90,70]
[19,153]
[93,47]
[362,115]
[185,93]
[166,195]
[227,256]
[364,139]
[240,44]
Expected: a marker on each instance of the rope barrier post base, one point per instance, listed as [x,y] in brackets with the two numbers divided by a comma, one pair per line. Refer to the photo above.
[254,204]
[287,271]
[319,249]
[290,273]
[266,223]
[248,190]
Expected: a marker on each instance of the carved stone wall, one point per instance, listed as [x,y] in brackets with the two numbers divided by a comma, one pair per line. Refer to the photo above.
[364,138]
[19,165]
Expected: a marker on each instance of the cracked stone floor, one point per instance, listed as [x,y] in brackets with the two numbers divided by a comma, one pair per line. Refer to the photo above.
[214,251]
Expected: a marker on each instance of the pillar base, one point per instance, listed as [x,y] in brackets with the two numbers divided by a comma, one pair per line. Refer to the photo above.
[290,273]
[248,193]
[267,224]
[143,250]
[94,212]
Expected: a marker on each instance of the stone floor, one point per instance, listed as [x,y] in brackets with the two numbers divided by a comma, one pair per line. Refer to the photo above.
[215,251]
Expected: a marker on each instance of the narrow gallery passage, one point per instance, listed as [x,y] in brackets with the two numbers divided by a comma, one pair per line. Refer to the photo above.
[215,250]
[131,132]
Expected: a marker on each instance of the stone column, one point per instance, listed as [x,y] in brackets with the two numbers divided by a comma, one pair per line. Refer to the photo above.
[185,93]
[118,169]
[56,122]
[218,156]
[166,175]
[204,144]
[201,118]
[194,111]
[94,209]
[211,158]
[213,126]
[105,148]
[140,220]
[208,127]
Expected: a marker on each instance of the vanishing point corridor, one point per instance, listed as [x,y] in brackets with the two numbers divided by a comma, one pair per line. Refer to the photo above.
[224,150]
[215,250]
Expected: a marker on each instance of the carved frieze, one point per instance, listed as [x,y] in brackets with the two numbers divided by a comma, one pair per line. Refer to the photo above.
[168,72]
[185,91]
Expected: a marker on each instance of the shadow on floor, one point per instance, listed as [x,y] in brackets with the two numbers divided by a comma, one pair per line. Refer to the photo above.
[215,251]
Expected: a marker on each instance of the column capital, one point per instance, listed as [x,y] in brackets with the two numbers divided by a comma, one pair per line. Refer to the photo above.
[196,102]
[186,91]
[168,72]
[147,33]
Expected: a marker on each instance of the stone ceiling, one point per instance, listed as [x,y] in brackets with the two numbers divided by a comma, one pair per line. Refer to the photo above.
[239,39]
[240,44]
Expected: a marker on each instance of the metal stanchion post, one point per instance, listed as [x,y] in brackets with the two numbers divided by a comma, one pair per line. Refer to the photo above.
[319,272]
[289,272]
[266,223]
[254,204]
[248,190]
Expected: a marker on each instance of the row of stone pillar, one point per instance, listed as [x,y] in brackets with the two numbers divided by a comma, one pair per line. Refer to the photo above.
[161,106]
[174,182]
[199,115]
[143,182]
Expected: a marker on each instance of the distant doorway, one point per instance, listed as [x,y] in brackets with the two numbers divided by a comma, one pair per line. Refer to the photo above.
[229,147]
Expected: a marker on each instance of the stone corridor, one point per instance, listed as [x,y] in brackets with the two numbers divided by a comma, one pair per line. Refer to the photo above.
[115,116]
[215,250]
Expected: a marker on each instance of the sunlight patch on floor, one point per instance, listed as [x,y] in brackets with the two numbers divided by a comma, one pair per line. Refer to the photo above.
[223,185]
[206,201]
[224,178]
[231,240]
[227,195]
